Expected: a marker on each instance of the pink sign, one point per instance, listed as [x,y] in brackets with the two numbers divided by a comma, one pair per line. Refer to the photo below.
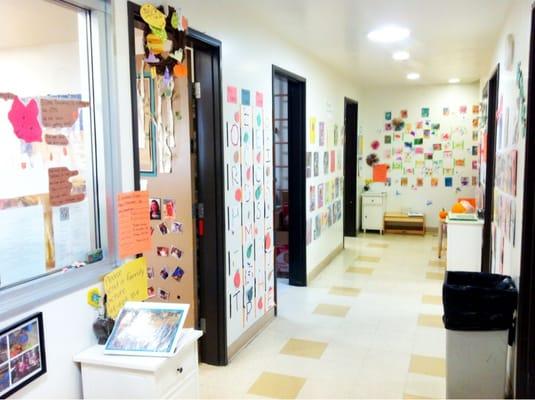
[23,118]
[232,94]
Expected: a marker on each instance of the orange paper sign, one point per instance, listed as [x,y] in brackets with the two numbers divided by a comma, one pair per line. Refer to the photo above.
[379,172]
[134,223]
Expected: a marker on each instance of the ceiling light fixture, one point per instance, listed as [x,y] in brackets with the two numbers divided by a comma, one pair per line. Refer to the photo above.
[454,80]
[389,34]
[401,55]
[413,76]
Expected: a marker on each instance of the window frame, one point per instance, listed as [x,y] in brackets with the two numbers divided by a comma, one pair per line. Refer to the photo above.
[106,167]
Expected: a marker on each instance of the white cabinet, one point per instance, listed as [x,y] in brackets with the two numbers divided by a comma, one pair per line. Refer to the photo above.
[465,241]
[373,211]
[132,377]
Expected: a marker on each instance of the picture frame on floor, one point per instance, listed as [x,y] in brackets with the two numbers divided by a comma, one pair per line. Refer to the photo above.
[22,354]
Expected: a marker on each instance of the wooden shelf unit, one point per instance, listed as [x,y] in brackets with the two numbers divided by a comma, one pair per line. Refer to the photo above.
[402,223]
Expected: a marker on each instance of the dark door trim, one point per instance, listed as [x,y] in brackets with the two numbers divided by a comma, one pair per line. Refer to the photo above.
[296,174]
[211,261]
[525,341]
[486,252]
[350,167]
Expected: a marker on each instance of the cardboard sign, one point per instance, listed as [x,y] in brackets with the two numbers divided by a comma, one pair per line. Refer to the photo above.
[60,113]
[134,223]
[60,188]
[126,283]
[57,140]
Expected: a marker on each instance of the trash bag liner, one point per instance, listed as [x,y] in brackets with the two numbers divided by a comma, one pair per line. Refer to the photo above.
[477,301]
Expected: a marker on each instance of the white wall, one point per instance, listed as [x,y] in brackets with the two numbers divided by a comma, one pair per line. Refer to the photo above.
[68,322]
[413,98]
[517,23]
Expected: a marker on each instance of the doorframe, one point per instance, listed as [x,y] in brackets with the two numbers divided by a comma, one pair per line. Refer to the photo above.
[212,293]
[217,303]
[350,102]
[493,89]
[296,174]
[524,376]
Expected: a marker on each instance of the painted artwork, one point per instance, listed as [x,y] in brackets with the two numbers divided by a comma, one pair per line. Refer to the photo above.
[249,213]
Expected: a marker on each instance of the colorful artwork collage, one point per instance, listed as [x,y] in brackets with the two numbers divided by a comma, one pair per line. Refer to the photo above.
[423,152]
[324,178]
[249,211]
[20,355]
[511,128]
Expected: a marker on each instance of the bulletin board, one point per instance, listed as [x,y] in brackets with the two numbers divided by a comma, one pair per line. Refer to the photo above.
[249,210]
[324,176]
[161,93]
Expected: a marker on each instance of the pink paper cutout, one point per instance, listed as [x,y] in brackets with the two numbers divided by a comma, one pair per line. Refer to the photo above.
[23,118]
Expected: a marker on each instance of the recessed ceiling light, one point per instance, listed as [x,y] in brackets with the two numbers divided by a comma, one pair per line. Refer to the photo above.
[401,55]
[454,80]
[413,76]
[389,34]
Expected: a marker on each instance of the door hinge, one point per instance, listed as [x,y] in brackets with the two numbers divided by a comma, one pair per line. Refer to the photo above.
[197,90]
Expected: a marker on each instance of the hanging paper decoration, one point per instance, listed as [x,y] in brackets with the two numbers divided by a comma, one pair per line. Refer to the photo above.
[375,144]
[23,118]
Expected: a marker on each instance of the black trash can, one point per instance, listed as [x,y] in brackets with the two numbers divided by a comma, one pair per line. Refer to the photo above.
[478,314]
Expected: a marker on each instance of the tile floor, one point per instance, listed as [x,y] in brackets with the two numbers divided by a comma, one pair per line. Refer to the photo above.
[367,327]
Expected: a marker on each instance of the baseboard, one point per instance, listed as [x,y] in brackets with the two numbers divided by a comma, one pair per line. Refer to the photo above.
[326,261]
[250,333]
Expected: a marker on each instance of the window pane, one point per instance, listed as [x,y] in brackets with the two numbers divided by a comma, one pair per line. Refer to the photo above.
[46,139]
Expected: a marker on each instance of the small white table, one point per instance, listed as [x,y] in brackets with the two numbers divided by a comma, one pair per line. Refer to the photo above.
[129,377]
[465,241]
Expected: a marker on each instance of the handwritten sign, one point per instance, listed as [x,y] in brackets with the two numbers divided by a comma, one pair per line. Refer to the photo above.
[60,113]
[60,188]
[58,140]
[23,118]
[152,16]
[126,283]
[134,223]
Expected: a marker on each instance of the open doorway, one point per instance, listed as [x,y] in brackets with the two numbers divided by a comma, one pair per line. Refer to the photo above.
[289,148]
[351,109]
[488,155]
[208,166]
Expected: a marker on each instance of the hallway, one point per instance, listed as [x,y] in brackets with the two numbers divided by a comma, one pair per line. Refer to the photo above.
[369,326]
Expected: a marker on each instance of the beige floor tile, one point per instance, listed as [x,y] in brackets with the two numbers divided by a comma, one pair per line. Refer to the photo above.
[331,310]
[437,276]
[408,396]
[378,245]
[425,365]
[304,348]
[433,321]
[431,299]
[372,259]
[437,263]
[277,386]
[344,291]
[360,270]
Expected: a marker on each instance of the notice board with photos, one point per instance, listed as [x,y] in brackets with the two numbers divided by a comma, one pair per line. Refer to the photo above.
[164,132]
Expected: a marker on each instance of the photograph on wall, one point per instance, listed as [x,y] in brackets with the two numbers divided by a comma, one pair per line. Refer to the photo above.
[147,329]
[22,354]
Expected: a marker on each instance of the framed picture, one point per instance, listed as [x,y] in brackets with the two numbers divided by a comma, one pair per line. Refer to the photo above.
[147,329]
[22,354]
[146,129]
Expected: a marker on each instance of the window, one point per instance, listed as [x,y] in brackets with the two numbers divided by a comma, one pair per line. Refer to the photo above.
[52,182]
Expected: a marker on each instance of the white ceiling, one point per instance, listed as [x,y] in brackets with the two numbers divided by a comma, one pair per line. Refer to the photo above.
[26,23]
[449,38]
